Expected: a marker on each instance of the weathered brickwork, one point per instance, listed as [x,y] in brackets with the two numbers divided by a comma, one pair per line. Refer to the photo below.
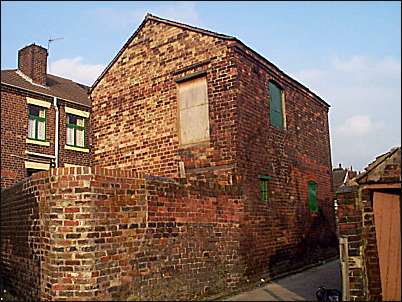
[276,236]
[189,222]
[69,156]
[282,233]
[356,222]
[98,234]
[32,61]
[142,106]
[14,132]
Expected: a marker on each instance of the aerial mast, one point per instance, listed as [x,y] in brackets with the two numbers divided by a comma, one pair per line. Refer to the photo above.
[48,48]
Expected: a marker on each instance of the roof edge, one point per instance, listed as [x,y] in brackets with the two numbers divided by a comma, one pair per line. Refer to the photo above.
[44,94]
[302,86]
[385,157]
[149,16]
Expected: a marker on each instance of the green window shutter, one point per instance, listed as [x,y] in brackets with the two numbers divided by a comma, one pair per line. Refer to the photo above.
[264,187]
[312,196]
[276,110]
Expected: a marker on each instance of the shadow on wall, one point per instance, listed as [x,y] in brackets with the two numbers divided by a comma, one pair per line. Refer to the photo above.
[20,241]
[319,243]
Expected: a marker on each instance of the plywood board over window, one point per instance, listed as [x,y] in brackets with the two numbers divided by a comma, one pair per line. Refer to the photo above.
[193,111]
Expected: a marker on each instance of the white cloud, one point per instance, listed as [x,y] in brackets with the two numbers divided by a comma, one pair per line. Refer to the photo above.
[365,98]
[357,125]
[76,70]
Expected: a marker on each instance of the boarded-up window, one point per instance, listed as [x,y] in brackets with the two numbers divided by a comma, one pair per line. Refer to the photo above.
[276,106]
[312,196]
[194,114]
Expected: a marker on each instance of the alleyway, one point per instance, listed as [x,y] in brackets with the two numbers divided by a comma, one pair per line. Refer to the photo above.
[298,287]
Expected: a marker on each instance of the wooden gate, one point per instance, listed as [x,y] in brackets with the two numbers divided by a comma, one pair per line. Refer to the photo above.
[387,225]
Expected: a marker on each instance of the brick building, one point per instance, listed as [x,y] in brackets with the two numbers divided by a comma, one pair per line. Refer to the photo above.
[44,119]
[341,176]
[211,169]
[183,102]
[369,229]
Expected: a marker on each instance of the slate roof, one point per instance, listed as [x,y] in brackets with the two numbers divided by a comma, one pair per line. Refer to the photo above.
[56,86]
[338,176]
[202,31]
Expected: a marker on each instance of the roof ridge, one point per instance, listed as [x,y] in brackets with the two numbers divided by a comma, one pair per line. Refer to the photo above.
[191,27]
[149,16]
[378,160]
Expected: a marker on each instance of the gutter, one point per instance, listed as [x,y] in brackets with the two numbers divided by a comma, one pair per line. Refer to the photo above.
[44,94]
[56,143]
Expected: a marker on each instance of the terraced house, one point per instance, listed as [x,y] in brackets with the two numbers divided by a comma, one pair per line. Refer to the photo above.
[44,119]
[211,168]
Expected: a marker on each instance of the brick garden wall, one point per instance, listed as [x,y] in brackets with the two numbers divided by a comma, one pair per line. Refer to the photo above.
[84,234]
[350,226]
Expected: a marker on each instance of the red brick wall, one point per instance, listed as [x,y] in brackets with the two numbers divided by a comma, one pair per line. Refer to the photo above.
[21,250]
[109,235]
[135,126]
[14,132]
[135,105]
[72,156]
[32,61]
[282,233]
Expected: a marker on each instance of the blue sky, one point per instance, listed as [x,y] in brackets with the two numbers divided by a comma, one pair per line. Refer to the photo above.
[347,52]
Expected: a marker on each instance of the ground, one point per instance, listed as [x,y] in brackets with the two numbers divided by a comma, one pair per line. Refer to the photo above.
[298,287]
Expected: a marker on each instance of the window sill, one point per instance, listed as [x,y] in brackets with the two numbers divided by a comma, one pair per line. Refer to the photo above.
[85,150]
[35,142]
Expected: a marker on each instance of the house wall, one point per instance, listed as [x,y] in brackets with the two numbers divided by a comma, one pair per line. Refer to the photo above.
[282,234]
[356,223]
[109,235]
[14,132]
[135,105]
[135,108]
[74,157]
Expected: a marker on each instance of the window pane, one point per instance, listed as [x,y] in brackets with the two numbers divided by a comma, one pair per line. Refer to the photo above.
[80,122]
[80,137]
[70,136]
[72,119]
[31,128]
[33,110]
[42,113]
[41,130]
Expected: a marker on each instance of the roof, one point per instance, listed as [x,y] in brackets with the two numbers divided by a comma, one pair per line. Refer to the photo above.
[377,165]
[202,31]
[338,177]
[56,87]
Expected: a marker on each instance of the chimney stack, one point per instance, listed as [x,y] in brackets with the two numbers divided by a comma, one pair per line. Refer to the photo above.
[32,61]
